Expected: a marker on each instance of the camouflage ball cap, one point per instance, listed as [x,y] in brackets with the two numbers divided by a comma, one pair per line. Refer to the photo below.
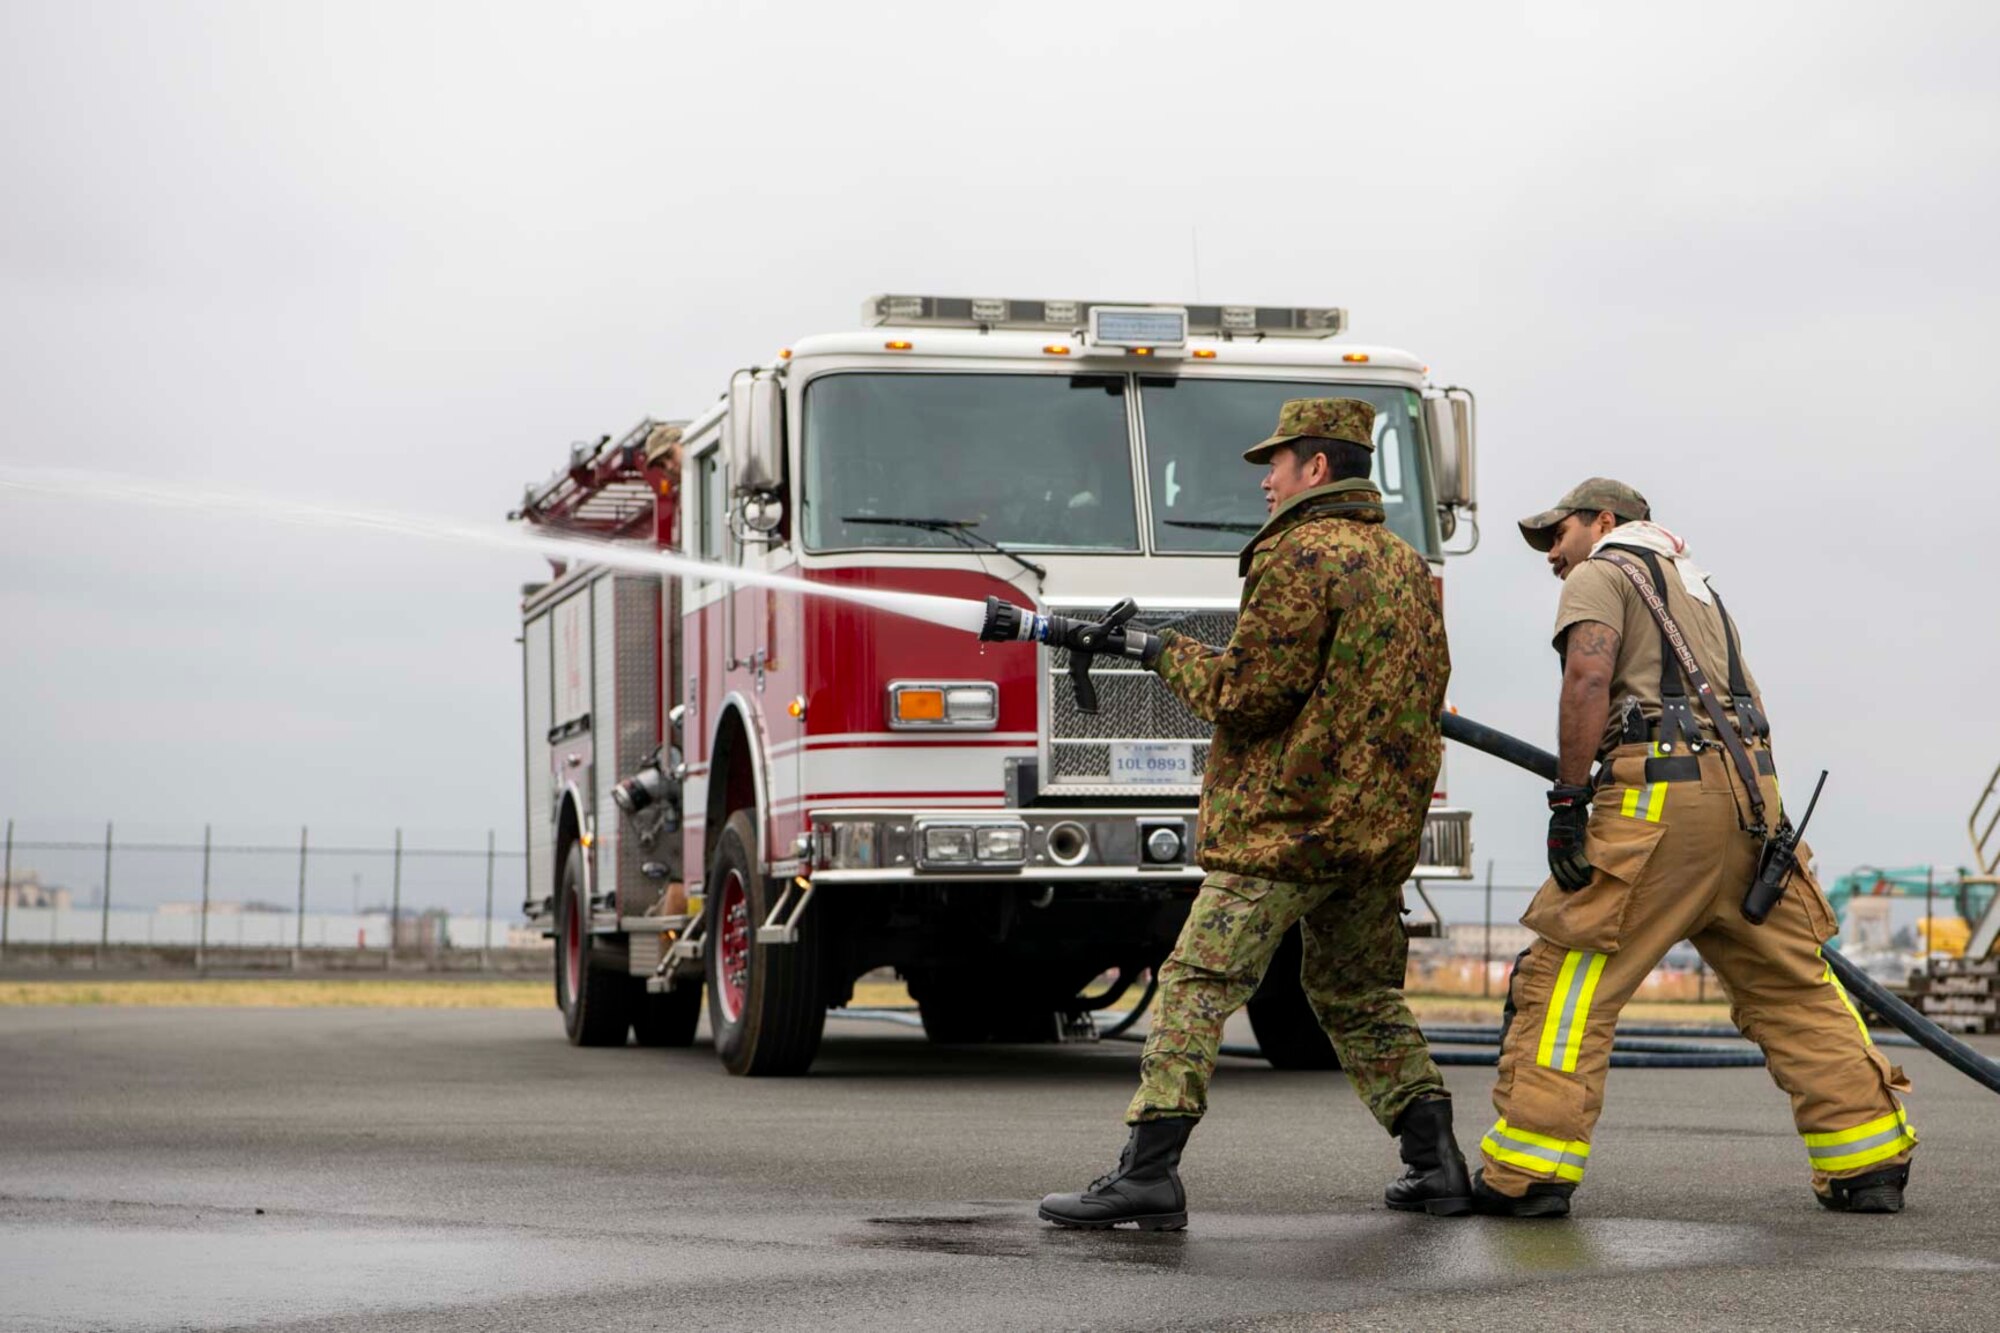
[1591,496]
[1347,419]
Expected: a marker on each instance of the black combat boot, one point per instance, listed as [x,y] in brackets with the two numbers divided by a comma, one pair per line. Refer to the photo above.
[1877,1192]
[1544,1199]
[1436,1181]
[1146,1187]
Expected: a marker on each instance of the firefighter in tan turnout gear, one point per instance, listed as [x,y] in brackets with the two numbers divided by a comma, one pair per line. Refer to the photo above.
[1659,846]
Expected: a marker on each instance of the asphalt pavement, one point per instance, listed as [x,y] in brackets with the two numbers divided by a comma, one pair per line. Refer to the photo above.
[461,1170]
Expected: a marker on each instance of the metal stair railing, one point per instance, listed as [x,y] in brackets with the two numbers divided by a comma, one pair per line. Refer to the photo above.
[1987,928]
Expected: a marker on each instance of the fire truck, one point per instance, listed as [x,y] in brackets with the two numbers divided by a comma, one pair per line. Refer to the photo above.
[760,796]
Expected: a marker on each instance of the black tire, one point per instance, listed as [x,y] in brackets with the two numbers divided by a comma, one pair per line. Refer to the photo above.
[667,1019]
[595,999]
[766,1002]
[1288,1032]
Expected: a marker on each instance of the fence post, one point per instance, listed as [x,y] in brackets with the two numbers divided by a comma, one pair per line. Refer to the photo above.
[1486,954]
[1701,982]
[395,902]
[104,912]
[201,944]
[7,892]
[486,940]
[1930,920]
[299,943]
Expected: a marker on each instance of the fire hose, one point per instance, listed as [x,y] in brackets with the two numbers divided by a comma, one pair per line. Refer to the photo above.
[1859,984]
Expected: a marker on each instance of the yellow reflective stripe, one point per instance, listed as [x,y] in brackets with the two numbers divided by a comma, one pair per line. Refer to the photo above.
[1645,803]
[1569,1010]
[1901,1143]
[1574,1147]
[1590,976]
[1561,1170]
[1552,1025]
[1867,1038]
[1538,1153]
[1864,1145]
[1835,1138]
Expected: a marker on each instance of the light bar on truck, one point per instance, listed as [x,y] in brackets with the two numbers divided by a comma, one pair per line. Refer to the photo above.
[1139,328]
[989,312]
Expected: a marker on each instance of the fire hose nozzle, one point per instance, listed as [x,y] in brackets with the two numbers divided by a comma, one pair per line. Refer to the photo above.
[1006,622]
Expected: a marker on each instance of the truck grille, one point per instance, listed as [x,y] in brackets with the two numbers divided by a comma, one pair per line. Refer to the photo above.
[1133,705]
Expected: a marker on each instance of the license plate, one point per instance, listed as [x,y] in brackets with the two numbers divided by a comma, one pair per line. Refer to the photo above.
[1152,763]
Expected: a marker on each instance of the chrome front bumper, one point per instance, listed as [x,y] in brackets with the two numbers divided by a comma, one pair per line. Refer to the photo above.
[1054,845]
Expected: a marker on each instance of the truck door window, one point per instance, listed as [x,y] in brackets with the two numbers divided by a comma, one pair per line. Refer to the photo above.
[1205,497]
[712,525]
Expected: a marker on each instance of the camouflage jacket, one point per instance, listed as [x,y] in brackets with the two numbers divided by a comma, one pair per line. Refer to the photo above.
[1326,700]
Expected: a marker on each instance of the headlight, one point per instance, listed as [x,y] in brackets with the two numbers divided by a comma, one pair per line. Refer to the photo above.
[1002,844]
[948,844]
[969,845]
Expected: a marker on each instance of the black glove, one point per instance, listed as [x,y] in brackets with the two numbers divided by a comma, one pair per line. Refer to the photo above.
[1569,815]
[1140,642]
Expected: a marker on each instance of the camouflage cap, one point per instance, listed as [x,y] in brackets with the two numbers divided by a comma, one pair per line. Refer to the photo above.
[1347,419]
[1592,496]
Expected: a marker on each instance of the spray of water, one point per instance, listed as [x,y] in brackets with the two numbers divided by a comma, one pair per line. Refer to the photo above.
[80,485]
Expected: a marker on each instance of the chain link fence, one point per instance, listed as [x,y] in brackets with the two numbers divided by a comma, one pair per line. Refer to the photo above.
[254,903]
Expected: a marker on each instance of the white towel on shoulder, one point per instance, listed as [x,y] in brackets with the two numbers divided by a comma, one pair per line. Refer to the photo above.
[1652,537]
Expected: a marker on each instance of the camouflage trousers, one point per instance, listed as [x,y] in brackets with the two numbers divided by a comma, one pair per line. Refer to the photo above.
[1355,951]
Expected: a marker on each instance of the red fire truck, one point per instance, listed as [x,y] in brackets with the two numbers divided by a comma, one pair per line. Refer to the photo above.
[762,796]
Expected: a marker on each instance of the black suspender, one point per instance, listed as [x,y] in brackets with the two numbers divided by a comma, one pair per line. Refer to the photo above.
[1748,715]
[1675,646]
[1677,719]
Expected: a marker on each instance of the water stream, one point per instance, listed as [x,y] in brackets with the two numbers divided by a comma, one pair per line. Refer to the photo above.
[85,487]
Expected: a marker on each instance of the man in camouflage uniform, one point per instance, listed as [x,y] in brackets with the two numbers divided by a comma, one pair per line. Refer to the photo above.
[1325,705]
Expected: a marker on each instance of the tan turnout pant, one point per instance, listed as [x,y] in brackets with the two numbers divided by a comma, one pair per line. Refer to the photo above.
[1672,864]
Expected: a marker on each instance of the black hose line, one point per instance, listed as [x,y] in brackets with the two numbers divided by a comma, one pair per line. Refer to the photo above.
[1619,1059]
[1137,1011]
[1859,984]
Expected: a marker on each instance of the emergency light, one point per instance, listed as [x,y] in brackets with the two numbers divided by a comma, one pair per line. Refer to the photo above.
[1138,326]
[992,312]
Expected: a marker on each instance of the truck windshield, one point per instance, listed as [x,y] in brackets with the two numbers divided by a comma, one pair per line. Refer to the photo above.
[1030,462]
[1205,497]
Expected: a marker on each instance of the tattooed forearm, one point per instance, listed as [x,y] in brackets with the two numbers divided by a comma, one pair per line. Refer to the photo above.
[1589,653]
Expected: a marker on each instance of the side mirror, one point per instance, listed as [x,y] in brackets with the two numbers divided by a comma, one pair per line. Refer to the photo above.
[1449,422]
[757,429]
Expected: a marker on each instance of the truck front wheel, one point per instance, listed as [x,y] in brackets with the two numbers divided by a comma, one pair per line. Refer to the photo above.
[766,1002]
[595,999]
[1288,1032]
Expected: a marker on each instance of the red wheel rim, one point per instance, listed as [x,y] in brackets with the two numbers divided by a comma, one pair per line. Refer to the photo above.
[735,945]
[572,954]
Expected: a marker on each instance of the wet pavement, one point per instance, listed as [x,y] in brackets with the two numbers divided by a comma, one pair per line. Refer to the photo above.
[372,1169]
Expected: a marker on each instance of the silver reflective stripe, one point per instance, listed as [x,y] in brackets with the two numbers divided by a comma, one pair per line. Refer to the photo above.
[1550,1155]
[1889,1135]
[1569,1003]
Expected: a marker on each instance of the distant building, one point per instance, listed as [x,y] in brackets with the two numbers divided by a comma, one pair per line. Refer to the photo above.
[26,889]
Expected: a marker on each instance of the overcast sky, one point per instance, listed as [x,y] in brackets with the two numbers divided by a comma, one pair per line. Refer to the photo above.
[400,255]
